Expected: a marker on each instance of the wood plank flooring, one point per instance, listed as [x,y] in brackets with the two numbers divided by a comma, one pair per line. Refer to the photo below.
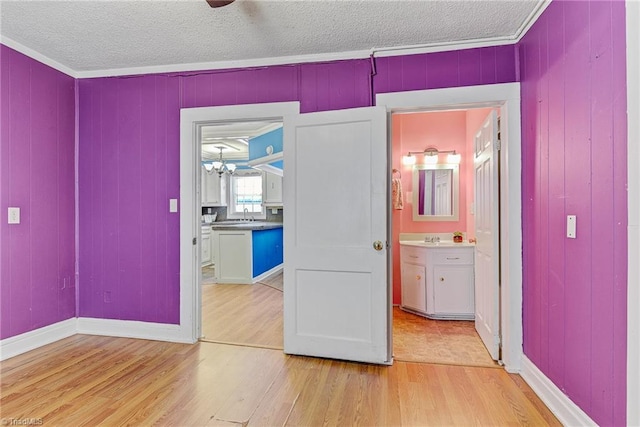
[242,314]
[90,381]
[252,315]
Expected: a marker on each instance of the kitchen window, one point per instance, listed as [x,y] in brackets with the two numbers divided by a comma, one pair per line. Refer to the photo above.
[246,192]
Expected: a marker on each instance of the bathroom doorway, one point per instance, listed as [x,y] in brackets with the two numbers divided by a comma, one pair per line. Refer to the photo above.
[506,99]
[448,138]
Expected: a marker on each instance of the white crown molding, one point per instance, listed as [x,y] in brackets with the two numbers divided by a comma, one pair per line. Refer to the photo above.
[132,329]
[531,19]
[37,56]
[559,403]
[13,346]
[223,65]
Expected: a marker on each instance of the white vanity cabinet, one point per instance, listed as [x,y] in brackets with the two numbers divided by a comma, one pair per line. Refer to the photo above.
[413,276]
[213,188]
[438,281]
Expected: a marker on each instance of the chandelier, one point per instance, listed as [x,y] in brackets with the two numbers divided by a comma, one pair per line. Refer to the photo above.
[220,166]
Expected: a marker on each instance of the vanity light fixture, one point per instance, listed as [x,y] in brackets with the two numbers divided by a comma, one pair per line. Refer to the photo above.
[431,156]
[220,166]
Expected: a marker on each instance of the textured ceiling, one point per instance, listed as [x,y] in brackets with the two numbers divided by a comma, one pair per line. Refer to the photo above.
[103,35]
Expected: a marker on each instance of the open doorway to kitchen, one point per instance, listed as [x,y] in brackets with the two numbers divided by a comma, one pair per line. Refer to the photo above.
[241,249]
[232,254]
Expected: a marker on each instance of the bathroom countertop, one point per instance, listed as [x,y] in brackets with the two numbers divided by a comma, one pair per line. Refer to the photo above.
[244,225]
[441,244]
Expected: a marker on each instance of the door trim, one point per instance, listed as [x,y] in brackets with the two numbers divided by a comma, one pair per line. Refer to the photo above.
[190,292]
[506,96]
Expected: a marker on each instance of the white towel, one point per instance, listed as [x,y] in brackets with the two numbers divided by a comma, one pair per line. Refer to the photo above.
[396,193]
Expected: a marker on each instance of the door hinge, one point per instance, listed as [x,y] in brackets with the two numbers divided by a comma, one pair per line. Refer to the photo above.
[194,241]
[498,143]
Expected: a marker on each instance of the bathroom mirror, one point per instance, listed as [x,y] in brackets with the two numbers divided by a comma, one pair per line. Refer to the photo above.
[435,192]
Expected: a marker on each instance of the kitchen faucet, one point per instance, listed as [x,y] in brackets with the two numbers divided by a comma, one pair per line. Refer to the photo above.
[244,214]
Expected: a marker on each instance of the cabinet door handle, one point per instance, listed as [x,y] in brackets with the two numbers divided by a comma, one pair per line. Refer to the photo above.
[442,279]
[413,256]
[453,257]
[418,277]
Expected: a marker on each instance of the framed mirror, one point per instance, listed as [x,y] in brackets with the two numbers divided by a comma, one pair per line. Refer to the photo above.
[435,192]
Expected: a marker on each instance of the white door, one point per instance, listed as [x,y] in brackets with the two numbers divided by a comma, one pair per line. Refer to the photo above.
[487,235]
[336,297]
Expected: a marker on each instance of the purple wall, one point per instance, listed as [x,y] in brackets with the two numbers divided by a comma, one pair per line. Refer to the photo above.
[572,66]
[129,157]
[37,139]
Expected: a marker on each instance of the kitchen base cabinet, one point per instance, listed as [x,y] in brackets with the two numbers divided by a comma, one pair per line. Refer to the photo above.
[246,256]
[233,255]
[205,246]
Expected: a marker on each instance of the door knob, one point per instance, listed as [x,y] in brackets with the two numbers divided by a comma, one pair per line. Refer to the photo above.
[377,245]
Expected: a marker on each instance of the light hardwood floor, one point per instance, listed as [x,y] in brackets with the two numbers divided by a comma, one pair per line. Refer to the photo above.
[100,381]
[252,315]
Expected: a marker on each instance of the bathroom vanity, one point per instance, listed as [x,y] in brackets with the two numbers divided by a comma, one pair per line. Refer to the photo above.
[437,279]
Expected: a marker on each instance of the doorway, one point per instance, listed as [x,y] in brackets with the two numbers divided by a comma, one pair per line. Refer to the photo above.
[444,329]
[242,217]
[506,97]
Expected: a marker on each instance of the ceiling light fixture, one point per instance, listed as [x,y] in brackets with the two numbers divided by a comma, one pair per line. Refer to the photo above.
[220,166]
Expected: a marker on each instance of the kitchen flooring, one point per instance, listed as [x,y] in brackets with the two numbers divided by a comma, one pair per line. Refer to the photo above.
[251,315]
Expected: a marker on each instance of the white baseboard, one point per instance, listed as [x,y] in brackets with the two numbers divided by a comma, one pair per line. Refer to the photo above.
[559,403]
[268,273]
[22,343]
[132,329]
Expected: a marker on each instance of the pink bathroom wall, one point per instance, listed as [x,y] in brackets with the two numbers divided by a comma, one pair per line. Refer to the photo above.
[574,157]
[445,130]
[37,118]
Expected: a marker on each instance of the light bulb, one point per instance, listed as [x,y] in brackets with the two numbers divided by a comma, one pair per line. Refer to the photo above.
[409,160]
[454,158]
[431,159]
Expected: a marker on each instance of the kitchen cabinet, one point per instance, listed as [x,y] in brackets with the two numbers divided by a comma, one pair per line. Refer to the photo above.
[205,246]
[438,281]
[246,255]
[273,190]
[213,188]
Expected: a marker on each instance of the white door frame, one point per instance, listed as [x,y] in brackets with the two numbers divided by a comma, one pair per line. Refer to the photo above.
[507,97]
[190,292]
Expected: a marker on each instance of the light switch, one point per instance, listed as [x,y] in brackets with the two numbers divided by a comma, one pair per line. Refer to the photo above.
[173,205]
[14,216]
[571,226]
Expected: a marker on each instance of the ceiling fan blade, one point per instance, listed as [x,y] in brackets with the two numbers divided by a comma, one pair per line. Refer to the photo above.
[219,3]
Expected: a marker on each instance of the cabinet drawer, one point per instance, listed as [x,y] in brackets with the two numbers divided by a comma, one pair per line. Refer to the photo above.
[413,254]
[458,256]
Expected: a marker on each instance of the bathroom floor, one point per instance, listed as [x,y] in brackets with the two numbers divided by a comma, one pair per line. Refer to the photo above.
[251,315]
